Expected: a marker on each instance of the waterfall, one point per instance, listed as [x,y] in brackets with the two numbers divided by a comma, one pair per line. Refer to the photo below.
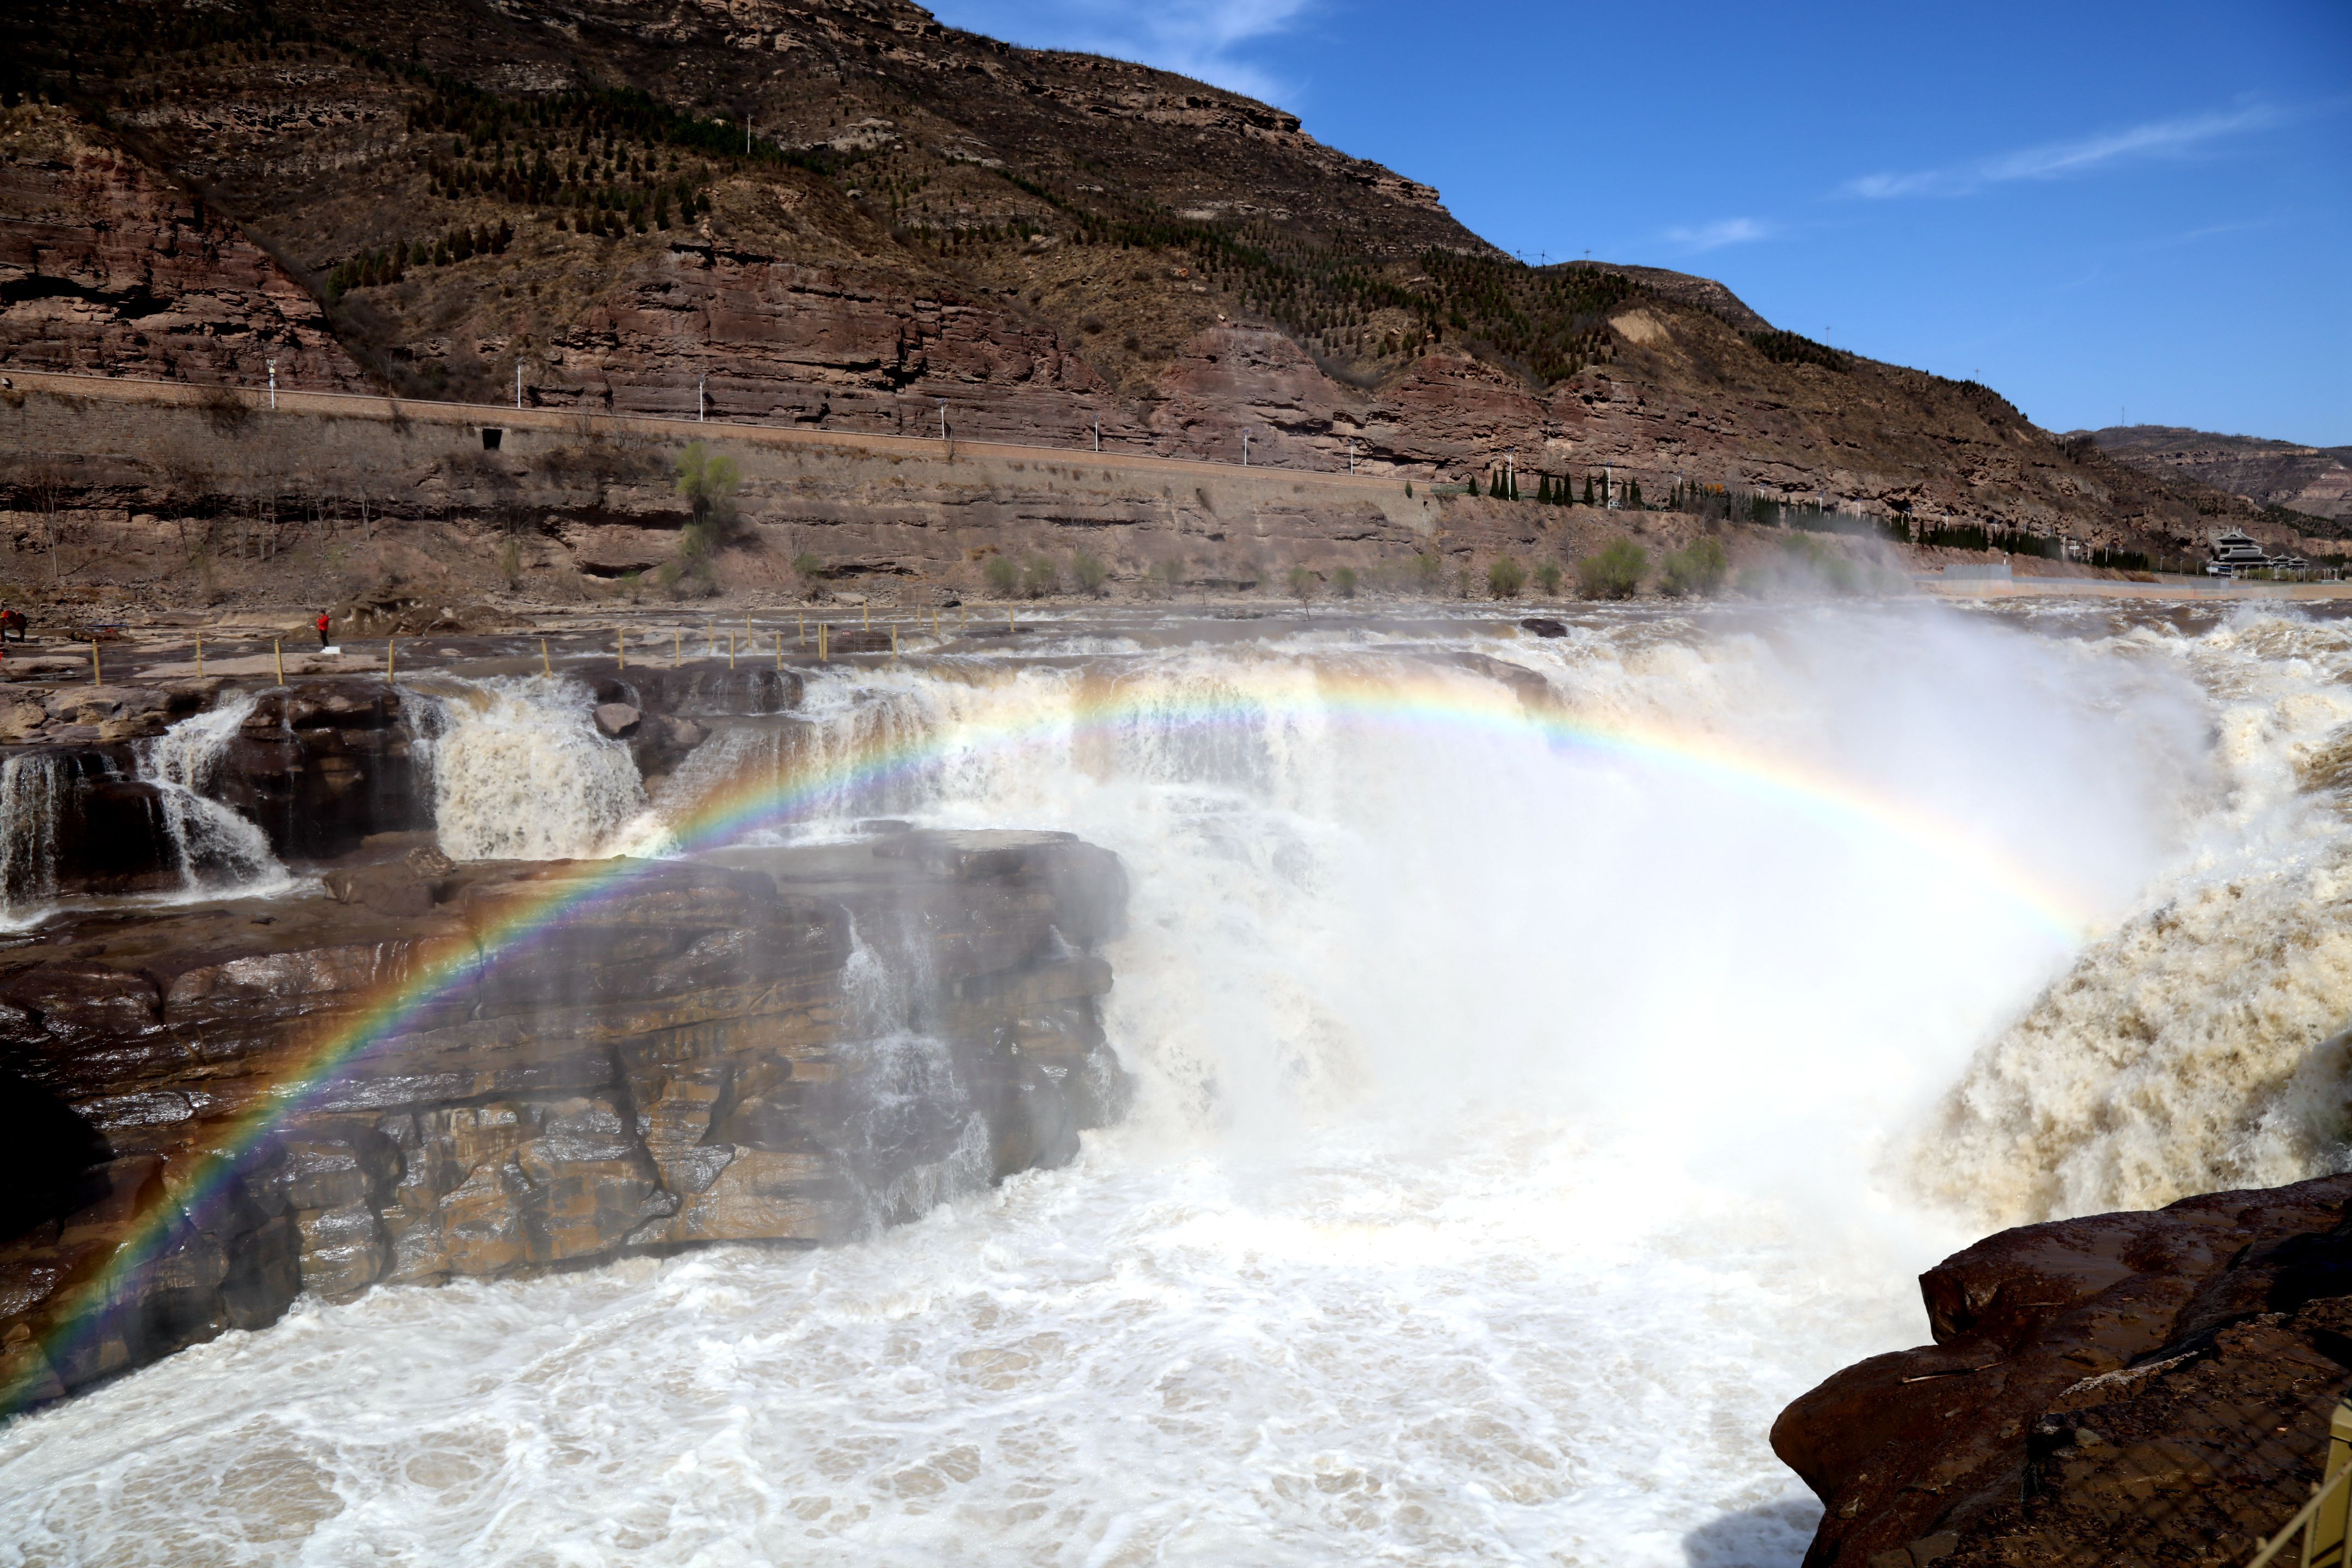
[33,786]
[1550,1058]
[216,848]
[520,771]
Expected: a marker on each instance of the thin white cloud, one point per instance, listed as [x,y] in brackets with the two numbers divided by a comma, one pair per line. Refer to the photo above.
[1205,40]
[1722,232]
[2059,160]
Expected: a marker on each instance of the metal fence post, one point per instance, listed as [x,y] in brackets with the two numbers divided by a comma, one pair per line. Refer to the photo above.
[2323,1537]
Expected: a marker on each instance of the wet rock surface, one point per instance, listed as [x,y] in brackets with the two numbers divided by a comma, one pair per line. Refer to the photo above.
[2141,1387]
[791,1045]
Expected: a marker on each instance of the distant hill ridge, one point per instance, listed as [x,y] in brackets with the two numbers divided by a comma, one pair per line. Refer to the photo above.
[2314,480]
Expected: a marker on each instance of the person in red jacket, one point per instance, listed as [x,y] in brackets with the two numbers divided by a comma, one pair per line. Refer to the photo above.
[322,628]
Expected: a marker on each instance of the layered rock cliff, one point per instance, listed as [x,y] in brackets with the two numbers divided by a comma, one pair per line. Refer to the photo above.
[843,216]
[2314,480]
[785,1046]
[2144,1387]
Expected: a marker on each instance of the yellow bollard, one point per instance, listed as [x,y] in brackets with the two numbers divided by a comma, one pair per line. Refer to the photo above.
[94,678]
[1008,620]
[710,639]
[869,617]
[389,659]
[819,642]
[730,650]
[780,653]
[276,651]
[894,642]
[676,648]
[803,632]
[621,647]
[544,666]
[200,656]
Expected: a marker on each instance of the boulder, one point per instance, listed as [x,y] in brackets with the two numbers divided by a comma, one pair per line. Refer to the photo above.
[681,1060]
[391,890]
[615,719]
[2127,1387]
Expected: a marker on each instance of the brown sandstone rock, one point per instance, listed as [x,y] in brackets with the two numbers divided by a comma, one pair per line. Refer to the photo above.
[2144,1387]
[678,1062]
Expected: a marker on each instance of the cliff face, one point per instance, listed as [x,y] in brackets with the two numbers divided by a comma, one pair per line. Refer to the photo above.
[105,269]
[690,1056]
[2125,1387]
[1042,241]
[2314,480]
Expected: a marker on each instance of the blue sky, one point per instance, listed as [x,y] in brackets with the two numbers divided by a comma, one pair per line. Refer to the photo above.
[2103,211]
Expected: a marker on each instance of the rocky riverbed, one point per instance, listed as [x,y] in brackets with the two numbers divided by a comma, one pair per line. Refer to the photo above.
[491,1066]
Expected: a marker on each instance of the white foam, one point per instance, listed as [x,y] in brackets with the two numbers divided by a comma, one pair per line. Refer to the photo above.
[1520,1127]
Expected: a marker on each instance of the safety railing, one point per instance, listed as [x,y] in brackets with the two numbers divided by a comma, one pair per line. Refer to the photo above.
[2325,1521]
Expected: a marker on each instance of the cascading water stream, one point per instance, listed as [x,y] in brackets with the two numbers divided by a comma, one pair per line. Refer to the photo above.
[1537,1046]
[32,795]
[520,771]
[214,848]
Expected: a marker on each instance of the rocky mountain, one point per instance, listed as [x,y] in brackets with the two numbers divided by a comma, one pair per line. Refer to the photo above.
[2316,480]
[843,215]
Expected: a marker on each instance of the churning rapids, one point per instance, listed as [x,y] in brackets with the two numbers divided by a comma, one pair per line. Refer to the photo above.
[1553,1057]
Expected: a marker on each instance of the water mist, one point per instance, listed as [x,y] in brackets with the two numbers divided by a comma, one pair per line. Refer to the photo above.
[1538,1045]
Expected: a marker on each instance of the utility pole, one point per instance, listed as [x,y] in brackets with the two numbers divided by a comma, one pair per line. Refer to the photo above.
[1608,489]
[273,386]
[1246,448]
[517,384]
[699,403]
[1097,432]
[1351,456]
[943,418]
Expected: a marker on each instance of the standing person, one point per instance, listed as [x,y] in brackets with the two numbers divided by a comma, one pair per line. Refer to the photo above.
[322,628]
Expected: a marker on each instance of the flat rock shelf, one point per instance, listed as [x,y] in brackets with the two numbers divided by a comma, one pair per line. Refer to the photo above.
[517,1066]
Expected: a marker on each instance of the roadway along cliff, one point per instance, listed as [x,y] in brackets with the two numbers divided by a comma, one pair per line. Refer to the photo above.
[565,197]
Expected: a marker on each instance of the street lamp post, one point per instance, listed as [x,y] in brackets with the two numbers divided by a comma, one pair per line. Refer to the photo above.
[1244,448]
[273,386]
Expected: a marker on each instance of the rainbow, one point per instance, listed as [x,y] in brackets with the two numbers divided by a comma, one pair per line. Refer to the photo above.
[1410,704]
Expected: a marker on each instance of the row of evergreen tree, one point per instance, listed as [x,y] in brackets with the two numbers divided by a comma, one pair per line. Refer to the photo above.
[389,263]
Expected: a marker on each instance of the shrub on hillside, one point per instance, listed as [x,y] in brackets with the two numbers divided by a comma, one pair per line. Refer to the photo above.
[1612,571]
[1698,567]
[1505,578]
[1002,576]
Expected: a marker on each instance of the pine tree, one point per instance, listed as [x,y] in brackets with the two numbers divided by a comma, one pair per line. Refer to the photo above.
[1633,496]
[1543,490]
[1474,482]
[1588,490]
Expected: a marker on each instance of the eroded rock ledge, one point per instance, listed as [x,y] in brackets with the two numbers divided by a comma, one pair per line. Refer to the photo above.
[791,1045]
[2149,1387]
